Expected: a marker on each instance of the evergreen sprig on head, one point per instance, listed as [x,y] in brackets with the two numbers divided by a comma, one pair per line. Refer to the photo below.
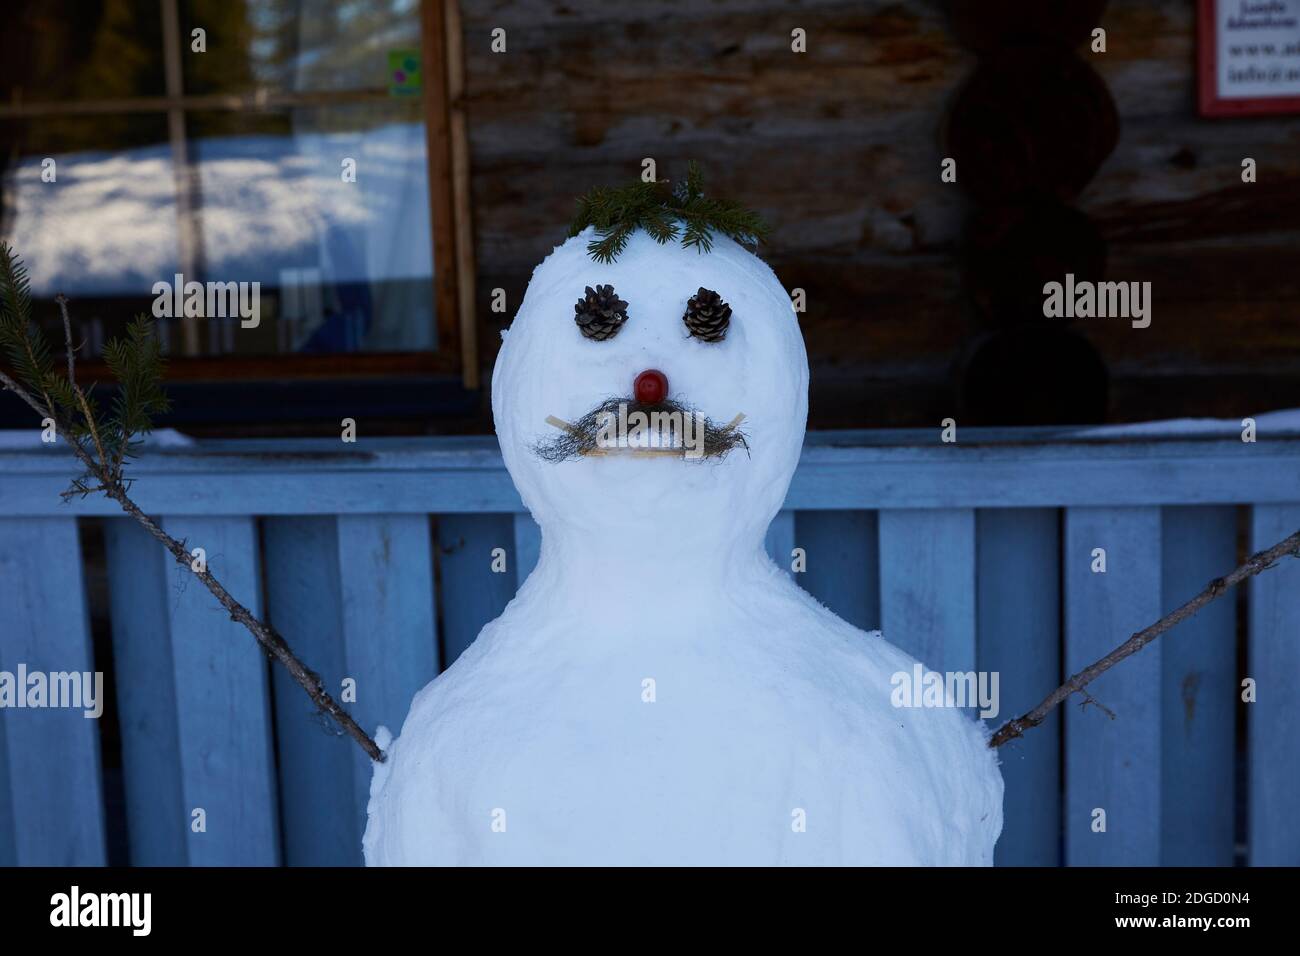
[664,213]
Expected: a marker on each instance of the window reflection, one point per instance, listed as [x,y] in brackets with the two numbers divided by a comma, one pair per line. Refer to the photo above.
[264,195]
[298,45]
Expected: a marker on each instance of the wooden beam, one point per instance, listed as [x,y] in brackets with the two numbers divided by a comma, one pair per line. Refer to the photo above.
[258,101]
[187,238]
[463,210]
[438,153]
[457,474]
[291,366]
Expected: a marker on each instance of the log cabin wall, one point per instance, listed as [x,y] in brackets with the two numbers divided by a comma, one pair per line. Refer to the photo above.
[840,148]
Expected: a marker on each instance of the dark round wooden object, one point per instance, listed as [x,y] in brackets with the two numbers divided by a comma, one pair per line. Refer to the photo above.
[1011,252]
[1029,124]
[1031,375]
[983,25]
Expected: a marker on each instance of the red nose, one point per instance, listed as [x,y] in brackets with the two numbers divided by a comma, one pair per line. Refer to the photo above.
[650,387]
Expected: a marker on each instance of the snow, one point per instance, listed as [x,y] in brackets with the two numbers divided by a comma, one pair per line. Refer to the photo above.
[29,439]
[659,692]
[1282,422]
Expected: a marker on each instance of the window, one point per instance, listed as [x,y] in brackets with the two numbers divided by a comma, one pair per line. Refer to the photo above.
[304,146]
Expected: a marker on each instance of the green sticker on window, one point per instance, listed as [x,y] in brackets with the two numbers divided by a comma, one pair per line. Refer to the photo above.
[403,72]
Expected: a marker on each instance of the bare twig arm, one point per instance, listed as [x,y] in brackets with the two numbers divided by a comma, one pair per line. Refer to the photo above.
[86,413]
[9,384]
[273,643]
[268,637]
[1258,562]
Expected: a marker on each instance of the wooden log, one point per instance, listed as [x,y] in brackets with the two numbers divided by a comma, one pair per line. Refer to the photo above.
[1030,123]
[1013,251]
[989,25]
[1031,374]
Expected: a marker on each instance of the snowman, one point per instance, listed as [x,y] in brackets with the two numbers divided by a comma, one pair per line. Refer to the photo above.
[659,691]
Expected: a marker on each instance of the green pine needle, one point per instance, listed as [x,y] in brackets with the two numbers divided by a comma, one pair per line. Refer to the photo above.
[664,214]
[135,361]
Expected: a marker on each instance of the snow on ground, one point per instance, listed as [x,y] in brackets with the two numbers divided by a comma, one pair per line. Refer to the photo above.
[1281,422]
[29,439]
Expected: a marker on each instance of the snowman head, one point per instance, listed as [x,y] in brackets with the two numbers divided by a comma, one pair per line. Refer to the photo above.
[551,374]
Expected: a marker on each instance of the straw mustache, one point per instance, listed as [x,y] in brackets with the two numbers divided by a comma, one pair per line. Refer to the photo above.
[588,436]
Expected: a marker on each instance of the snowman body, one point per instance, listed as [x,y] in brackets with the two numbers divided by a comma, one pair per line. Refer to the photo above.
[659,692]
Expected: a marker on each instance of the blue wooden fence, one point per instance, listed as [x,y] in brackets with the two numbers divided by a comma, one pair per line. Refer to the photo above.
[375,560]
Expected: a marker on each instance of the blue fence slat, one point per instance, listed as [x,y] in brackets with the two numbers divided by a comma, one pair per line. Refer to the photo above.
[354,596]
[471,593]
[1198,694]
[222,700]
[1113,765]
[390,637]
[1019,639]
[315,768]
[927,585]
[842,549]
[8,835]
[1273,721]
[528,546]
[52,769]
[142,659]
[779,541]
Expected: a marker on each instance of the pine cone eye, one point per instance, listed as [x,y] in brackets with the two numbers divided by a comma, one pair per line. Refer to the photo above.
[707,316]
[600,313]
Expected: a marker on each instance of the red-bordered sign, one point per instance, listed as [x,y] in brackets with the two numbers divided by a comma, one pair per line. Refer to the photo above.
[1249,57]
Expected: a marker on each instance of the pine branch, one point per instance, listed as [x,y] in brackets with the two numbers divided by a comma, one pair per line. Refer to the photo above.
[697,232]
[611,244]
[694,185]
[136,361]
[664,214]
[28,355]
[659,224]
